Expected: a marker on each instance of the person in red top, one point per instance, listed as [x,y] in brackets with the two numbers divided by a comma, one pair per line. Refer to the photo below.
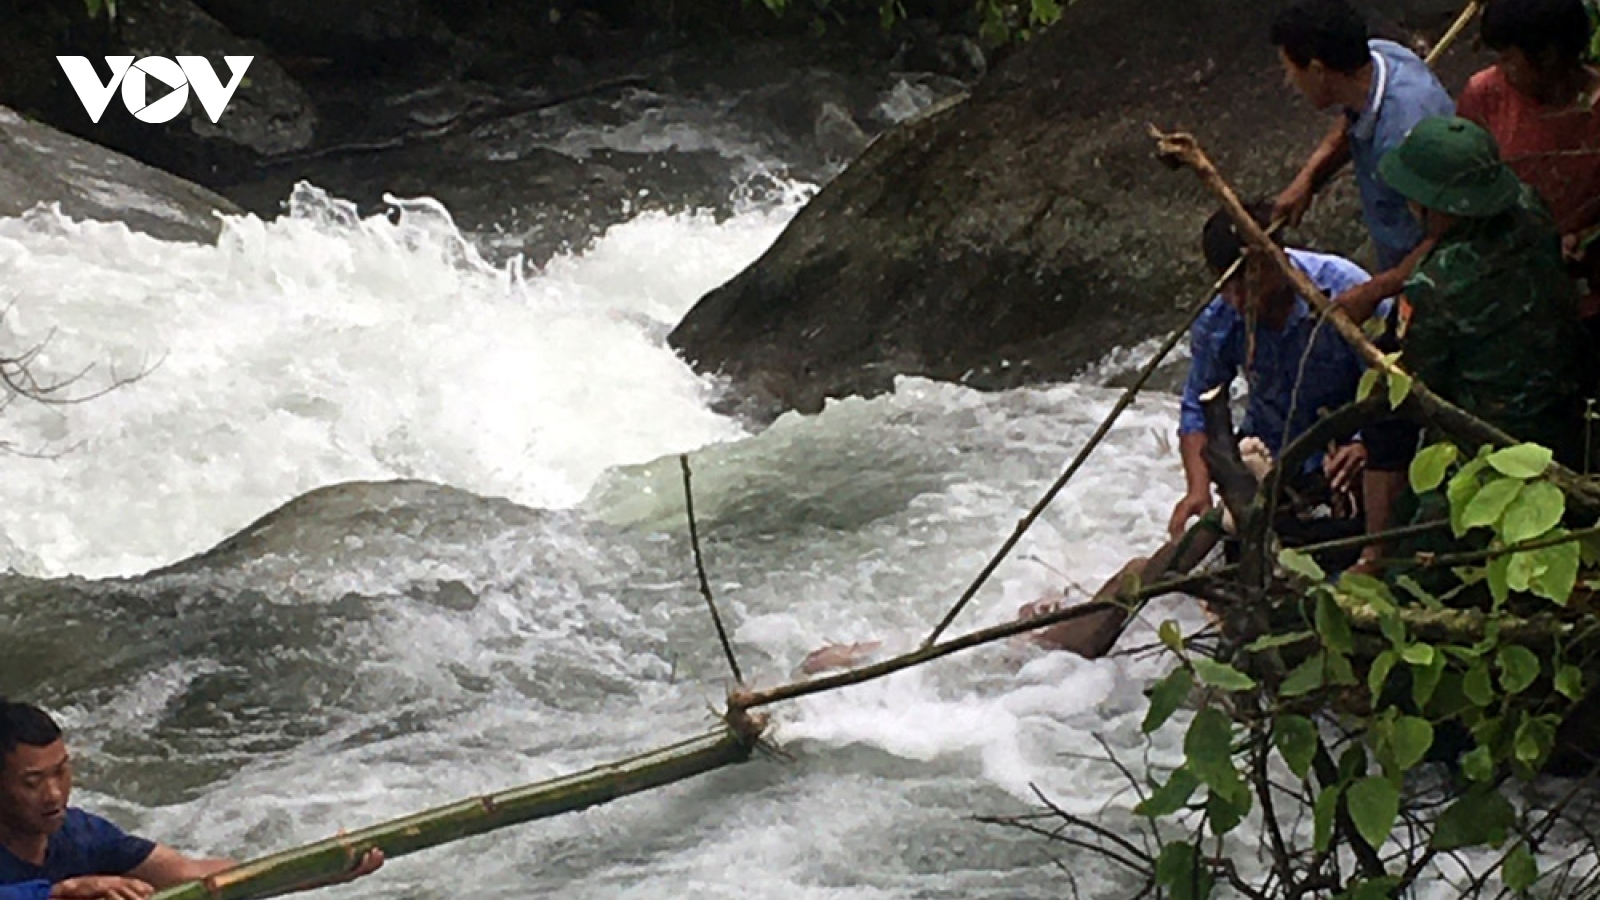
[1538,101]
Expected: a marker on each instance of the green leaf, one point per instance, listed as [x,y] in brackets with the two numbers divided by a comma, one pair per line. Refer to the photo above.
[1429,465]
[1536,737]
[1399,387]
[1165,698]
[1368,590]
[1410,738]
[1478,764]
[1556,571]
[1463,488]
[1498,574]
[1301,564]
[1537,509]
[1520,571]
[1296,739]
[1569,682]
[1425,680]
[1481,816]
[1477,687]
[1490,503]
[1393,628]
[1274,641]
[1420,655]
[1170,797]
[1305,678]
[1171,635]
[1418,592]
[1322,817]
[1522,461]
[1519,668]
[1520,870]
[1333,625]
[1374,802]
[1045,12]
[1378,674]
[1367,384]
[1221,675]
[1339,670]
[1209,749]
[1178,870]
[1224,813]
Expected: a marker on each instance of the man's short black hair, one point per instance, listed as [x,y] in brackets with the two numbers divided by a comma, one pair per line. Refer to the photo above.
[1328,30]
[1538,28]
[1220,240]
[24,723]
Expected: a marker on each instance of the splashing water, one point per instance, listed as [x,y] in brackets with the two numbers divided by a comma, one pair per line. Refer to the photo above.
[374,649]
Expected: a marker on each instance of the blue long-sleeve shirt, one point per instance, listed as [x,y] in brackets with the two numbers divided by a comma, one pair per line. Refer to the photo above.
[1332,370]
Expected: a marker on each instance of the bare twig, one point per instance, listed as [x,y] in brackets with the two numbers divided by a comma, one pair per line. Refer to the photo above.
[700,570]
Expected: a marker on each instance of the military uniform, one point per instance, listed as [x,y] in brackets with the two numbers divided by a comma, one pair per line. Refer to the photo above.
[1494,327]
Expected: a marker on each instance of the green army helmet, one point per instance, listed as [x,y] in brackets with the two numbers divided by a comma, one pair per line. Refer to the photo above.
[1451,164]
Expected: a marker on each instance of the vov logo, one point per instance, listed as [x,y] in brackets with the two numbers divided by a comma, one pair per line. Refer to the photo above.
[134,77]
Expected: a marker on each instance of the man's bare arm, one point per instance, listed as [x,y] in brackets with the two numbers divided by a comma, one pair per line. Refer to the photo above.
[1325,162]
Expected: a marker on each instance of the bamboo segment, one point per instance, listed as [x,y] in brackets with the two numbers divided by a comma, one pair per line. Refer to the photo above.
[292,869]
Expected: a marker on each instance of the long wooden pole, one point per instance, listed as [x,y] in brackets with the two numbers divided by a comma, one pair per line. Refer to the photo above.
[292,869]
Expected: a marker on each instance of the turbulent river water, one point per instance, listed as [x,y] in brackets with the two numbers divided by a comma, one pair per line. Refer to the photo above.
[482,575]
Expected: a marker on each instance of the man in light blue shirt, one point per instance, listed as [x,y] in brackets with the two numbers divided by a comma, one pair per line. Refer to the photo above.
[1382,90]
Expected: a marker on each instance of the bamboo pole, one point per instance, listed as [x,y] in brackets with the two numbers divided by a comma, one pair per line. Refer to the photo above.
[298,868]
[1456,28]
[1183,149]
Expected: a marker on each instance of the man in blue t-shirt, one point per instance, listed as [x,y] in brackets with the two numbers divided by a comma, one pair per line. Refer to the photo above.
[1296,370]
[49,849]
[1381,91]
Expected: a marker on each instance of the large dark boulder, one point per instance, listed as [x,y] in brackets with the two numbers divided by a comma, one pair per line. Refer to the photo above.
[269,115]
[1018,235]
[335,28]
[40,166]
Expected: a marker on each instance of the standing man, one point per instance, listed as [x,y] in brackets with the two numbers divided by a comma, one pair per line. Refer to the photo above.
[49,849]
[1381,91]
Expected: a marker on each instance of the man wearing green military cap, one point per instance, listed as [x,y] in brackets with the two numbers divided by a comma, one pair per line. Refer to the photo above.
[1495,316]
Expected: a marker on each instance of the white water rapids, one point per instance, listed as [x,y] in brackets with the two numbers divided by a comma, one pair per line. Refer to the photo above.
[385,649]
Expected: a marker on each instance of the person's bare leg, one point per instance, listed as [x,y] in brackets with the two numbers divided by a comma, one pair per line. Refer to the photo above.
[1379,491]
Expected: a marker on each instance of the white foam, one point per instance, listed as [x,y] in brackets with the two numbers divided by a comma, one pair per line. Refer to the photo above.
[322,347]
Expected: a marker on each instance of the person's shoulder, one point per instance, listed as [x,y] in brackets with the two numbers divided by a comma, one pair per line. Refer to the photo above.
[1216,321]
[1320,266]
[82,825]
[1402,59]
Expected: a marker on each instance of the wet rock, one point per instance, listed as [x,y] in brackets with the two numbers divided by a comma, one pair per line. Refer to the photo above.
[1017,236]
[269,114]
[328,27]
[836,133]
[40,166]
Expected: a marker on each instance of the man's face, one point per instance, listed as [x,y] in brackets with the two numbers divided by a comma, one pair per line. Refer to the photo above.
[1520,72]
[35,784]
[1256,285]
[1310,80]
